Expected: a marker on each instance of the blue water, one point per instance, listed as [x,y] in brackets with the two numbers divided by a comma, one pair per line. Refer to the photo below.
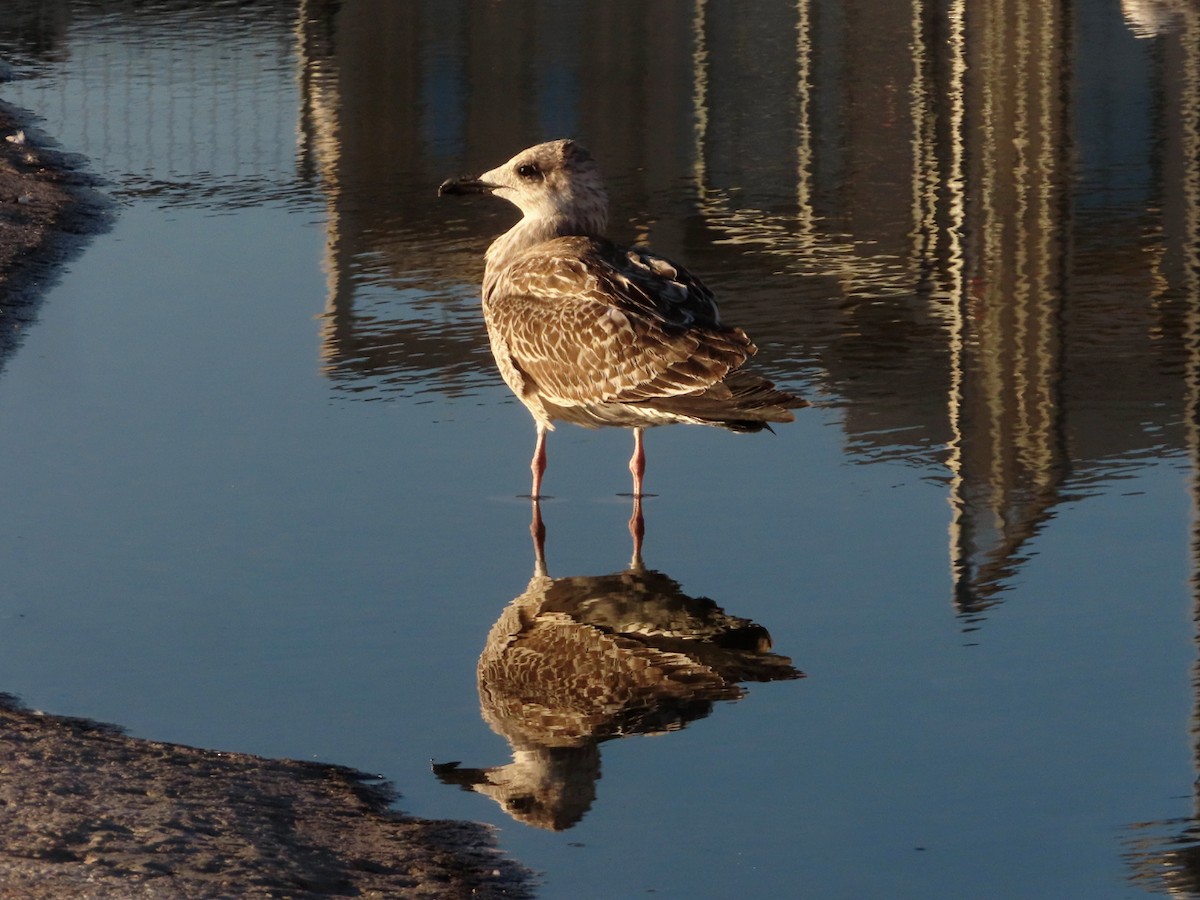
[263,483]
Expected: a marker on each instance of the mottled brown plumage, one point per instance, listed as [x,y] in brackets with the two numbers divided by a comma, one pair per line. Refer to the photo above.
[575,661]
[588,332]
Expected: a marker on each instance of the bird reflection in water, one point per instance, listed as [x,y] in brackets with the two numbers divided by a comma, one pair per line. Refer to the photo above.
[575,661]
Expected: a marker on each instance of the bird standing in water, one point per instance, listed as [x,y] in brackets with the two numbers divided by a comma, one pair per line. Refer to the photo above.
[588,332]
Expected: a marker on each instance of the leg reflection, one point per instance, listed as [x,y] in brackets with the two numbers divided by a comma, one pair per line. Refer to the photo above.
[637,531]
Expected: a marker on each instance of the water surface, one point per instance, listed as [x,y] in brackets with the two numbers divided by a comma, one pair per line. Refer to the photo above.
[263,480]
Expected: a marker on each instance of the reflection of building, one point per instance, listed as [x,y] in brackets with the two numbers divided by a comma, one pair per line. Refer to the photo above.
[204,117]
[395,93]
[1150,18]
[1165,856]
[1007,459]
[373,87]
[957,217]
[941,228]
[34,28]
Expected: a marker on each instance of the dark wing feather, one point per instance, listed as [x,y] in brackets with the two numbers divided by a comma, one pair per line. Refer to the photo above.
[589,322]
[659,287]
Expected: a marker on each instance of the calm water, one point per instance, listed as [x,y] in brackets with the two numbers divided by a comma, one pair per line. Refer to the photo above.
[262,481]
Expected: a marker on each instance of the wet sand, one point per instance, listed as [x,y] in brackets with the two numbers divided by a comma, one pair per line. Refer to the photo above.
[88,812]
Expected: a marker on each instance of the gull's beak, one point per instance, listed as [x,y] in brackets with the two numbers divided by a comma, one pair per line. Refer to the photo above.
[467,184]
[450,773]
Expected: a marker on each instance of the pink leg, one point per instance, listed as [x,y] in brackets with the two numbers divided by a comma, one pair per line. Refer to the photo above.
[637,462]
[538,466]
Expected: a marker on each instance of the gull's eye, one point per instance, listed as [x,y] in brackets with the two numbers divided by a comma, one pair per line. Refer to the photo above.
[530,172]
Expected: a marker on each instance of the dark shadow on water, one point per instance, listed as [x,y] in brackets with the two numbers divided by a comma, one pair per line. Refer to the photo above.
[576,661]
[51,208]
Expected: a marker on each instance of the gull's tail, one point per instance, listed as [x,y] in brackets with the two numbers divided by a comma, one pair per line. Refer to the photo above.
[742,402]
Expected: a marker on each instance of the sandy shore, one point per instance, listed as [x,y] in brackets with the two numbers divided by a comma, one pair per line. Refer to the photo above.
[87,812]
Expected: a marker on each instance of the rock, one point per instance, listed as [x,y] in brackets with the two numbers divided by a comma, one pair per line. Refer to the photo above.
[88,812]
[47,209]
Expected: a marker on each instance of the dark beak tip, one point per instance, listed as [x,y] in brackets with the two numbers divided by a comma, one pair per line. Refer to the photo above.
[467,184]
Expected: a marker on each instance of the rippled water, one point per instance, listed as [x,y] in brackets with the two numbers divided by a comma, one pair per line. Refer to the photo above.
[262,479]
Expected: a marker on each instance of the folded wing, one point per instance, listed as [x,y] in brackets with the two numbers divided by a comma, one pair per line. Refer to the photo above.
[589,322]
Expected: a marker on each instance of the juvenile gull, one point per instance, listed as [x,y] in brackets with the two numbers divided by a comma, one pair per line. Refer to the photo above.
[588,332]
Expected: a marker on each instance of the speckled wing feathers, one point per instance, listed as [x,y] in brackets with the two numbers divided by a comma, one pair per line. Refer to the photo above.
[590,323]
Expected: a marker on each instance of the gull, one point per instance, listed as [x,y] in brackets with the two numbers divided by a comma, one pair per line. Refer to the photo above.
[592,333]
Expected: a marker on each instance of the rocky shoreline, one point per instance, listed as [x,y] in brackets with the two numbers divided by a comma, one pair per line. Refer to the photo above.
[48,208]
[88,812]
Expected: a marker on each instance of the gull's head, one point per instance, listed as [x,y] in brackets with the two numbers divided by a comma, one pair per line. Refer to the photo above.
[557,182]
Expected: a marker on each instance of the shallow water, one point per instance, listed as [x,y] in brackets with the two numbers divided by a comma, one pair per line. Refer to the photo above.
[263,480]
